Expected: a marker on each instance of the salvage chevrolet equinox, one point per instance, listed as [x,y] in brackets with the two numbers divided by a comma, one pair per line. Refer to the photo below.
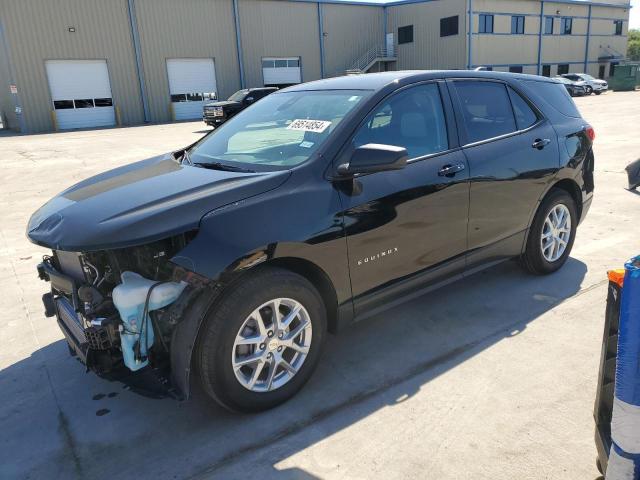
[229,261]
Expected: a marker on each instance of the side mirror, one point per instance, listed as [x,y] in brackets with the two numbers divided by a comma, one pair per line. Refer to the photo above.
[249,100]
[373,157]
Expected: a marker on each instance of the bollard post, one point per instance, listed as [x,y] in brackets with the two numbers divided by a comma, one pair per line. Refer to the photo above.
[624,458]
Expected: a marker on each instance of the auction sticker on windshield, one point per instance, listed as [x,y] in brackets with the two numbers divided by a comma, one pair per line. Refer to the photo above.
[316,126]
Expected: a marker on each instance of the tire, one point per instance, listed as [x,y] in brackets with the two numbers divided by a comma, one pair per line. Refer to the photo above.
[534,259]
[589,90]
[598,92]
[235,314]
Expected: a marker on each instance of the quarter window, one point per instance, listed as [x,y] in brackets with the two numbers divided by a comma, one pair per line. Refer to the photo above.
[449,26]
[413,119]
[486,109]
[566,25]
[405,34]
[525,116]
[486,23]
[548,25]
[517,24]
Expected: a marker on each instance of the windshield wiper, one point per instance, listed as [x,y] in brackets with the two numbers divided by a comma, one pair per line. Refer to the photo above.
[186,159]
[222,166]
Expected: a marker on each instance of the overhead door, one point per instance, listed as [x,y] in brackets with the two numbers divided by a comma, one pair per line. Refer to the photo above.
[81,93]
[281,71]
[189,80]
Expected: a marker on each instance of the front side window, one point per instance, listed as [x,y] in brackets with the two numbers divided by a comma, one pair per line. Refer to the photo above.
[486,109]
[566,25]
[517,24]
[279,132]
[449,26]
[486,23]
[405,34]
[548,25]
[618,27]
[413,119]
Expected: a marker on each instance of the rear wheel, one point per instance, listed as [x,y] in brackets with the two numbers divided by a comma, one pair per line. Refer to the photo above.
[552,234]
[598,92]
[261,343]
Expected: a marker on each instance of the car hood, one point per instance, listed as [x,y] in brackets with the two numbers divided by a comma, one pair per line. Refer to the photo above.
[140,203]
[222,103]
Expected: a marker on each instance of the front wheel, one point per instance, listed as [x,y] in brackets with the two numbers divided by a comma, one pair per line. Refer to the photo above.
[552,234]
[598,92]
[589,90]
[261,343]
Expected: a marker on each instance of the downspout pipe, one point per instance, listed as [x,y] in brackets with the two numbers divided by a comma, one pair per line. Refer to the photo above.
[586,47]
[539,71]
[236,21]
[469,36]
[321,38]
[133,23]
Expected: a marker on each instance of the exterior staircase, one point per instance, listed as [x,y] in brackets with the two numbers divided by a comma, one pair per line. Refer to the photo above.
[376,56]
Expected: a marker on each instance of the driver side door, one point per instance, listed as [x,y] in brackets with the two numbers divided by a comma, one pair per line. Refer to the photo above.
[407,228]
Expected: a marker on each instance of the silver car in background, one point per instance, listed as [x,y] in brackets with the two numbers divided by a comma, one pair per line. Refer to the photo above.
[593,85]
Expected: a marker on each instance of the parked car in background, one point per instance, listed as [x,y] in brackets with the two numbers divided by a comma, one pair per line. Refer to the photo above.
[592,85]
[323,204]
[216,113]
[575,89]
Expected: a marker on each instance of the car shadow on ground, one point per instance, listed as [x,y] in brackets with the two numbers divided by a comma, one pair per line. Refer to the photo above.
[91,428]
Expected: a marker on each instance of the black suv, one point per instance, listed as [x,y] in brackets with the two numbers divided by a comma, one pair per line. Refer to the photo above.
[322,204]
[216,113]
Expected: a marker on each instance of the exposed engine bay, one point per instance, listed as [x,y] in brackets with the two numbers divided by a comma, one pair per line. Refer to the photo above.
[118,308]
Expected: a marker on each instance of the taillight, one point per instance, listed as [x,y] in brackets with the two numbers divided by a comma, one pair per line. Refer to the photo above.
[591,133]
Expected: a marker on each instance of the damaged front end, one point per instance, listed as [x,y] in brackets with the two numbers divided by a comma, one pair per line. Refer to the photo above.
[119,310]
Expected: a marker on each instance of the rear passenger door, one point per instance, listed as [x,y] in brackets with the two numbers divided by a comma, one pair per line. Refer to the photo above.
[512,153]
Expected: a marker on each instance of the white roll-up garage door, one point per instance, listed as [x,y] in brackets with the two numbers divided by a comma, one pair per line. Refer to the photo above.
[81,93]
[281,71]
[189,80]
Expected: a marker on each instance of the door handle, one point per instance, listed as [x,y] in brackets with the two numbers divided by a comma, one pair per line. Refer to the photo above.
[450,170]
[540,143]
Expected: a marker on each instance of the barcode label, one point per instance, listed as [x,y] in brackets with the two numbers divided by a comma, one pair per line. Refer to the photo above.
[316,126]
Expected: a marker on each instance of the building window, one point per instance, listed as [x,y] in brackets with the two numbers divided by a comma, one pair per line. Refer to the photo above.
[618,25]
[563,69]
[601,72]
[515,69]
[449,26]
[548,25]
[546,70]
[486,23]
[405,34]
[517,24]
[566,25]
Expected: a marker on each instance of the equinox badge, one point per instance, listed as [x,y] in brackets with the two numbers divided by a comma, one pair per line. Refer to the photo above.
[378,256]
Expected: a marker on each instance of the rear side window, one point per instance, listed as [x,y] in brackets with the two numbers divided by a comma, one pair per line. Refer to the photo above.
[525,116]
[413,119]
[486,108]
[556,95]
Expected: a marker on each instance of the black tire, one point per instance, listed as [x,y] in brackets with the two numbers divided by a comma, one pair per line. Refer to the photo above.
[223,322]
[589,90]
[598,92]
[533,259]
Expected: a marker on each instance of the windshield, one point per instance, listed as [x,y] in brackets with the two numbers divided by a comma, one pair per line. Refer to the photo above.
[279,132]
[238,96]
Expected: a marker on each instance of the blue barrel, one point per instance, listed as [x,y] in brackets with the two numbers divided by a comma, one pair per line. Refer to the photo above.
[624,459]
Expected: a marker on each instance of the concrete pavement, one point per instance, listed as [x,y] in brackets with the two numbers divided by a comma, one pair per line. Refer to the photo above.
[492,377]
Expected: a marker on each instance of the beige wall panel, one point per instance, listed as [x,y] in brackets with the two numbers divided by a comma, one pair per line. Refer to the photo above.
[563,49]
[429,50]
[605,46]
[605,28]
[504,49]
[185,29]
[276,28]
[37,30]
[7,106]
[350,31]
[566,10]
[507,6]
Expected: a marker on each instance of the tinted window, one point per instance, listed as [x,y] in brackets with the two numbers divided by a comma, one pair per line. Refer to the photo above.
[563,69]
[486,23]
[555,94]
[517,24]
[486,108]
[515,69]
[84,103]
[525,116]
[448,26]
[405,34]
[412,119]
[546,70]
[548,25]
[565,26]
[62,104]
[618,27]
[103,102]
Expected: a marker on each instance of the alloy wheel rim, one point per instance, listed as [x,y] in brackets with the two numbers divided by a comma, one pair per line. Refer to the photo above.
[556,232]
[271,345]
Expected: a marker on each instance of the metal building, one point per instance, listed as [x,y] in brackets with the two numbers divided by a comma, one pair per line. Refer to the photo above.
[89,63]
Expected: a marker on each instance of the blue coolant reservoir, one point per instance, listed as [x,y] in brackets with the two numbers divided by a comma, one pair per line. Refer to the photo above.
[129,298]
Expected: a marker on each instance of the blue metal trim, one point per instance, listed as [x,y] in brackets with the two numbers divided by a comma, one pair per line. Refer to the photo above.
[236,21]
[542,23]
[392,3]
[137,50]
[17,103]
[321,38]
[536,15]
[532,64]
[509,34]
[470,34]
[586,47]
